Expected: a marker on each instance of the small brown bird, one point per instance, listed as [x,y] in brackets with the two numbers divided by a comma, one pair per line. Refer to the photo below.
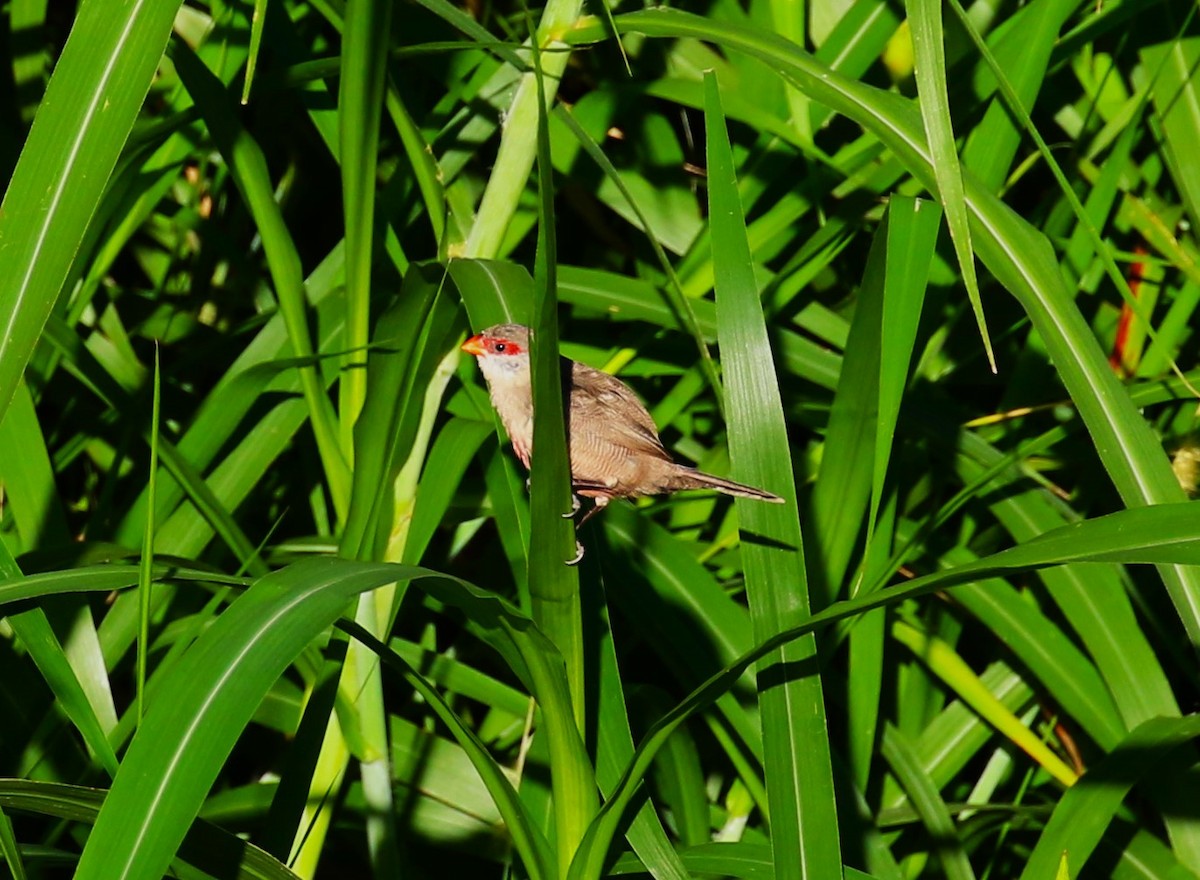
[614,445]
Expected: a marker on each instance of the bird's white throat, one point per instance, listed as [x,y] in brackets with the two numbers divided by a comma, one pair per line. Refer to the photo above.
[509,386]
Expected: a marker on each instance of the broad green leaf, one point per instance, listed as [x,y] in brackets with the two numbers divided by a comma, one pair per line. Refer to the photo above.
[92,100]
[795,739]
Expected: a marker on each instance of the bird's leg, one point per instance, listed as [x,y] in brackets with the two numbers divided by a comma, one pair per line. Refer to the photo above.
[575,505]
[601,502]
[578,554]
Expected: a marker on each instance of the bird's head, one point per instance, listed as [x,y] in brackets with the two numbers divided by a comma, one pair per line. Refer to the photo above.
[503,351]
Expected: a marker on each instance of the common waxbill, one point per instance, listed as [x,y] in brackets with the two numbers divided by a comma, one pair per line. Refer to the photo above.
[614,445]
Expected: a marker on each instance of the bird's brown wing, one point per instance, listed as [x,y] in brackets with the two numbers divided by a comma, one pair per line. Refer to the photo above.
[605,407]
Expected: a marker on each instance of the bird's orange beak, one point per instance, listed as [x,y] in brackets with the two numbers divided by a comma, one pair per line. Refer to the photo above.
[474,346]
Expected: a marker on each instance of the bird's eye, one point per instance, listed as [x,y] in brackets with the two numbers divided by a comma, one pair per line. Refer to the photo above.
[499,347]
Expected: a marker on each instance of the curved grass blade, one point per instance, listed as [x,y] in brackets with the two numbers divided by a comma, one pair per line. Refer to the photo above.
[204,702]
[212,692]
[91,102]
[206,848]
[532,845]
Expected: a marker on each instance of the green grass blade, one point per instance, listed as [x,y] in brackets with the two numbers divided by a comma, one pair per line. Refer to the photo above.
[929,805]
[871,384]
[462,21]
[679,304]
[257,20]
[1050,655]
[145,570]
[39,639]
[1086,810]
[925,22]
[912,232]
[494,292]
[419,322]
[203,704]
[1153,535]
[797,760]
[98,85]
[947,665]
[456,445]
[530,843]
[79,686]
[249,165]
[1093,600]
[365,37]
[553,585]
[28,475]
[426,170]
[1014,106]
[207,851]
[1021,47]
[519,141]
[1176,96]
[9,848]
[185,479]
[614,748]
[264,367]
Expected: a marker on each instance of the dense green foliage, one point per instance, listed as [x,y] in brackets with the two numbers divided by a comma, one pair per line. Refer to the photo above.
[278,601]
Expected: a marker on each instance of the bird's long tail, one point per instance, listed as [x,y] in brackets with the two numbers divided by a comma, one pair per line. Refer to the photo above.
[688,478]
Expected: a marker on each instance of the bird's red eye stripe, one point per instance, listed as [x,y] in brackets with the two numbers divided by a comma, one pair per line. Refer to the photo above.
[503,346]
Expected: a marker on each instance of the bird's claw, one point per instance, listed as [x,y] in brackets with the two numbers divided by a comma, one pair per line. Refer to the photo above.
[575,505]
[578,554]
